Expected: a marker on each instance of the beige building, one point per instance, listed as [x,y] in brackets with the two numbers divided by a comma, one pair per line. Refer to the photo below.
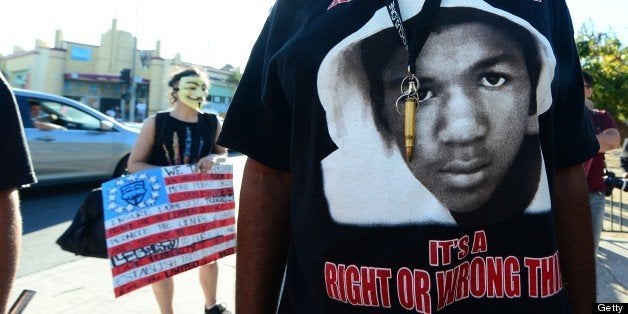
[91,74]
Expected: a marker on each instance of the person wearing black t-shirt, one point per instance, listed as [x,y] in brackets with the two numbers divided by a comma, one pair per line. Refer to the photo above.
[335,218]
[16,170]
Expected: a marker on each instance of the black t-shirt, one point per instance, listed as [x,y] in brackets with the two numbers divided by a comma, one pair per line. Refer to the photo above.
[16,169]
[178,142]
[466,225]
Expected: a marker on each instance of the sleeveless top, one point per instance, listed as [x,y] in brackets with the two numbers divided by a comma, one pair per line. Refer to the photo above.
[178,142]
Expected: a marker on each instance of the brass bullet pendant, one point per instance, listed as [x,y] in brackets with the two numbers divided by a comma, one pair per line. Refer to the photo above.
[411,103]
[409,114]
[409,122]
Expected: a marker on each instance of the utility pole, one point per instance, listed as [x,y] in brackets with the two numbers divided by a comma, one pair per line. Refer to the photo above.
[133,82]
[125,80]
[133,90]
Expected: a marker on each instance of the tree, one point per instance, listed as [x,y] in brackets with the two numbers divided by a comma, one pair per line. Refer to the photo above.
[236,76]
[235,73]
[605,58]
[227,67]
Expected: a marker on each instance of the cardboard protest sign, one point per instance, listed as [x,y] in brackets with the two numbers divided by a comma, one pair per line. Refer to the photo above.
[164,221]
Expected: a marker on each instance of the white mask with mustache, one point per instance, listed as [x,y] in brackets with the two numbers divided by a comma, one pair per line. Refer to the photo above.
[192,91]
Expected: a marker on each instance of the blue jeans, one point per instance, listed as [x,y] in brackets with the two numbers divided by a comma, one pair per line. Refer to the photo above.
[597,202]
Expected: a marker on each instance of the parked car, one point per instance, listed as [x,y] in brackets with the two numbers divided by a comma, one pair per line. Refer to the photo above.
[70,141]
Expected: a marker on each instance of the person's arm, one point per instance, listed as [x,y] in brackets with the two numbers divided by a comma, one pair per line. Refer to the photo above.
[47,126]
[138,160]
[10,237]
[263,237]
[623,158]
[609,139]
[218,154]
[575,237]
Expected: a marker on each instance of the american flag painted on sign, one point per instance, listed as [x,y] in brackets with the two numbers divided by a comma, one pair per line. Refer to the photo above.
[164,221]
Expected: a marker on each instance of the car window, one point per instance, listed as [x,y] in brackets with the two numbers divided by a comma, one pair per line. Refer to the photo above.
[68,116]
[24,111]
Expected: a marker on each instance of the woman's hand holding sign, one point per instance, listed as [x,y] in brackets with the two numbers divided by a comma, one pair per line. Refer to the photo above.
[206,163]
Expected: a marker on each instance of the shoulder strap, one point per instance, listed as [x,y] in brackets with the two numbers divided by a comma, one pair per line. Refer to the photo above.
[213,124]
[161,120]
[208,120]
[212,120]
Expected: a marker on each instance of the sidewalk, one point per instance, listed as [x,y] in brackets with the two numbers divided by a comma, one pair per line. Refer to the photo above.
[85,286]
[612,267]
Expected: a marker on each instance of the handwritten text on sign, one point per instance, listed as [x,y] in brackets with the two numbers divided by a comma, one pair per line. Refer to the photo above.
[164,221]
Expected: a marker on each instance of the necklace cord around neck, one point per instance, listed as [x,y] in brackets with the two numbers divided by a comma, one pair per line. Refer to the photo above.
[425,21]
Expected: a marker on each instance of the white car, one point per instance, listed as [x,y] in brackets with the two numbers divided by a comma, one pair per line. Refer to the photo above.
[70,141]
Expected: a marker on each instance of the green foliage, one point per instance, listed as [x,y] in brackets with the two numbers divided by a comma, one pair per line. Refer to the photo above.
[604,57]
[235,73]
[236,76]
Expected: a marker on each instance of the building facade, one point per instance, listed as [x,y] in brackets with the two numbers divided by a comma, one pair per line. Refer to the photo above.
[91,74]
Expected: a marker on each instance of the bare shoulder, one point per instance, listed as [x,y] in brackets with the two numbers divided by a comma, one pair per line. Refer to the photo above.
[148,128]
[150,119]
[149,123]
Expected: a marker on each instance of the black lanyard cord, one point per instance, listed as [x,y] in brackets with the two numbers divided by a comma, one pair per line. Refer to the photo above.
[425,21]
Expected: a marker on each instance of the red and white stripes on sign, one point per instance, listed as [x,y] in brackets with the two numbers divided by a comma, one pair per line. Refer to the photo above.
[185,243]
[196,226]
[166,216]
[130,244]
[151,265]
[161,269]
[140,215]
[193,218]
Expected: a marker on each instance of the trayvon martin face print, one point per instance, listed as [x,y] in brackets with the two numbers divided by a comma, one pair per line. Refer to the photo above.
[477,155]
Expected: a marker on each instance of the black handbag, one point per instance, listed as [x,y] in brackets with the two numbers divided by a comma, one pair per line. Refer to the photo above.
[86,234]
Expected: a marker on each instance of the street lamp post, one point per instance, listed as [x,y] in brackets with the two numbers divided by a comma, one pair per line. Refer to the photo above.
[133,82]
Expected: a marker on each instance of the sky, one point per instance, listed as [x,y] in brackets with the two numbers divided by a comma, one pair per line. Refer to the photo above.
[207,32]
[606,15]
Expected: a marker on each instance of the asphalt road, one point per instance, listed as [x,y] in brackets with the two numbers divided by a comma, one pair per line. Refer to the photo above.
[48,211]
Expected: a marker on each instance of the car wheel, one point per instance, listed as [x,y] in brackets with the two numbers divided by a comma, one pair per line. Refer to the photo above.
[121,167]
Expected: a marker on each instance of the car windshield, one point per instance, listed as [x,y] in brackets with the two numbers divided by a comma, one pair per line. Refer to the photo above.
[70,117]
